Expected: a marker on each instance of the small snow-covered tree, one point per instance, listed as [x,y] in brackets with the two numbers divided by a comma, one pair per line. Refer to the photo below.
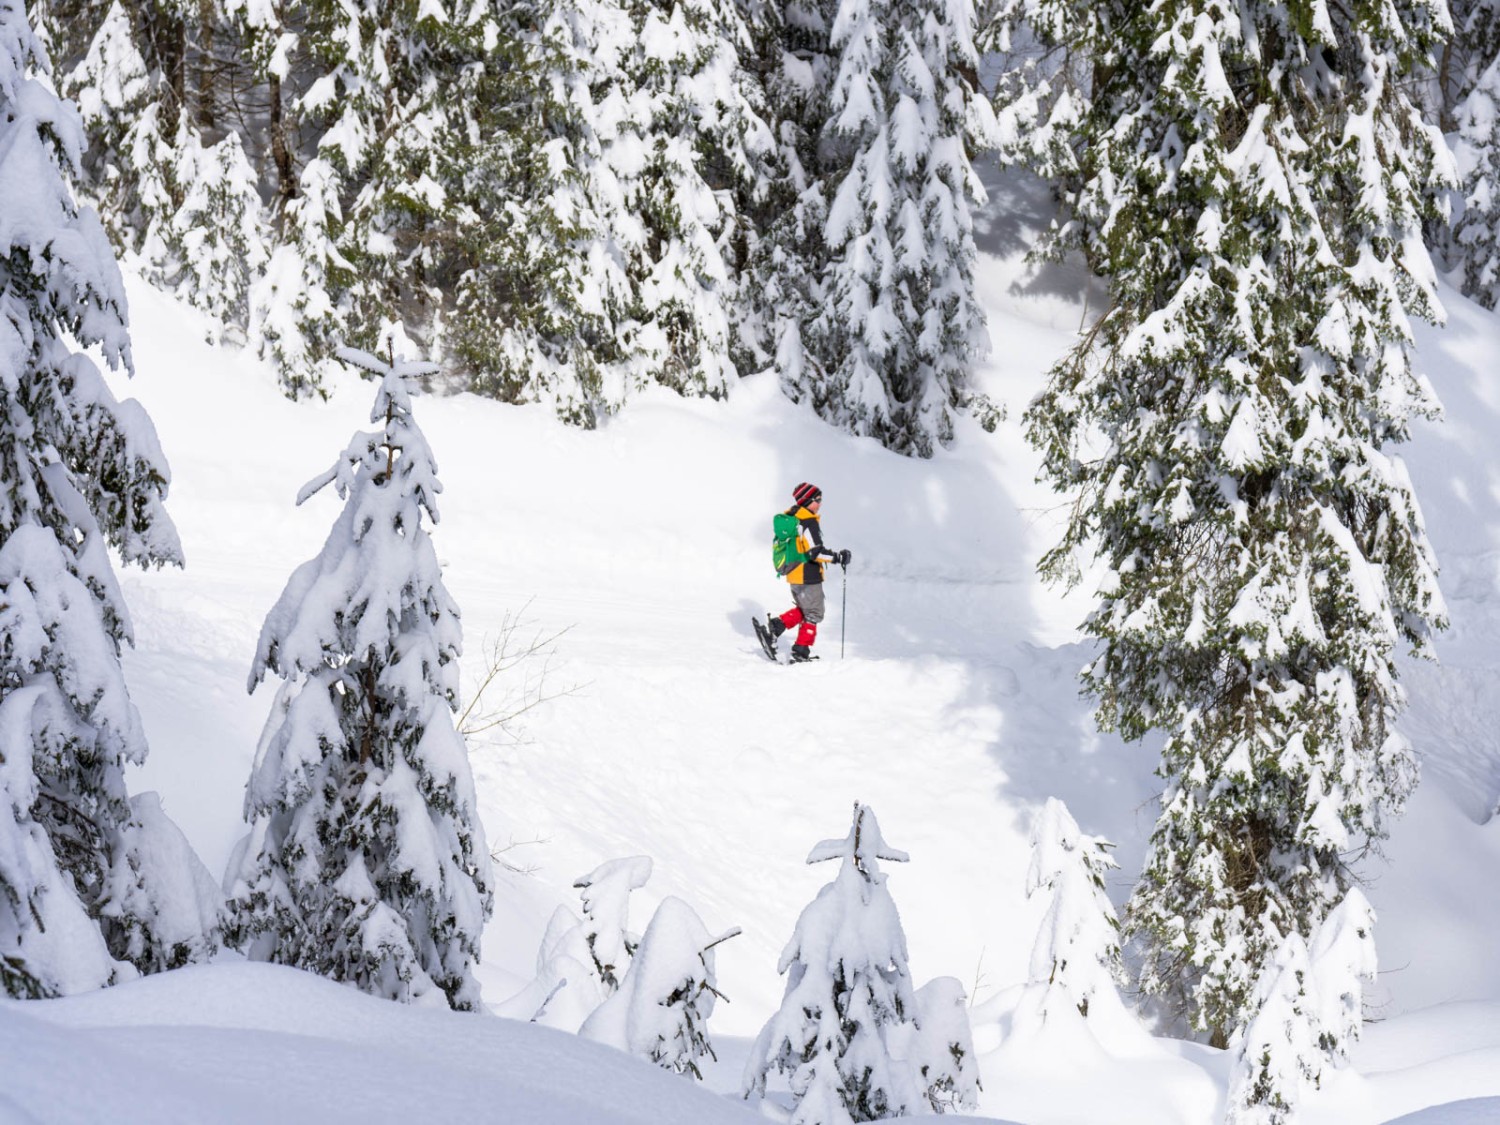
[1308,1009]
[366,860]
[80,473]
[295,314]
[1343,963]
[163,908]
[661,1009]
[565,990]
[944,1060]
[581,960]
[1276,1053]
[1077,949]
[847,1035]
[606,914]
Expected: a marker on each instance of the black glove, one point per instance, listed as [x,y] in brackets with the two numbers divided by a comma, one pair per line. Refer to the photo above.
[842,557]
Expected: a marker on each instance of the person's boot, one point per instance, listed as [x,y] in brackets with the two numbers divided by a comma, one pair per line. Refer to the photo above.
[774,625]
[801,653]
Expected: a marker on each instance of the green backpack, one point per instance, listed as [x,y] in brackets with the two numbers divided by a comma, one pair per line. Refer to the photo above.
[784,554]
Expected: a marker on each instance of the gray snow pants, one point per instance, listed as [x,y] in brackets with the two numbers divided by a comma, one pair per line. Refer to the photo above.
[809,599]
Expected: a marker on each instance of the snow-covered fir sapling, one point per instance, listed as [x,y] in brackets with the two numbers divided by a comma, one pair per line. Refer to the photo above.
[80,474]
[848,1035]
[661,1009]
[1077,949]
[1276,1053]
[581,961]
[163,909]
[1254,188]
[366,861]
[1307,1015]
[943,1056]
[606,914]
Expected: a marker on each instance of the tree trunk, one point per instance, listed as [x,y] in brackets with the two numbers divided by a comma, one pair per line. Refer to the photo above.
[207,92]
[281,155]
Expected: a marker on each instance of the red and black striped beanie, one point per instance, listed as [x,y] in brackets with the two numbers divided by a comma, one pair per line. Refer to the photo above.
[806,493]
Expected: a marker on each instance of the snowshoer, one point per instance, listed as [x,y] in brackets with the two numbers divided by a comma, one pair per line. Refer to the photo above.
[805,573]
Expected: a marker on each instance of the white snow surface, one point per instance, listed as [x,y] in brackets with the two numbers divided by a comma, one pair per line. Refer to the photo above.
[952,710]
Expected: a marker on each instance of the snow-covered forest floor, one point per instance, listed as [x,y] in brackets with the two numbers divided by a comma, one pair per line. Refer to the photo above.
[637,555]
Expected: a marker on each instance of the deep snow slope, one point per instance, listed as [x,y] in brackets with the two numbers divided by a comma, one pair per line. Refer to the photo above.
[953,711]
[261,1043]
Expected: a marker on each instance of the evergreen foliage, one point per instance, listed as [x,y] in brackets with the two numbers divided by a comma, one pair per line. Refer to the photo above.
[542,293]
[1254,188]
[82,475]
[366,861]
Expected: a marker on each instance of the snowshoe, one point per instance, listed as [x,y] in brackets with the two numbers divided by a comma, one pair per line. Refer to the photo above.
[767,641]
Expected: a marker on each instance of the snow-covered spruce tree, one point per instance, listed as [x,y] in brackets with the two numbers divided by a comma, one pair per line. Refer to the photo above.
[1077,950]
[1254,188]
[848,1033]
[190,206]
[902,325]
[82,474]
[366,861]
[162,909]
[661,1009]
[363,103]
[295,310]
[1307,1012]
[407,84]
[1276,1053]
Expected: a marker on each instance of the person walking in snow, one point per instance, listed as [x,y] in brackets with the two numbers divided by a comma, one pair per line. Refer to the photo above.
[806,576]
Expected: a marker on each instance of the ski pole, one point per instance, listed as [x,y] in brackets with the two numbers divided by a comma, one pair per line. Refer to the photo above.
[843,608]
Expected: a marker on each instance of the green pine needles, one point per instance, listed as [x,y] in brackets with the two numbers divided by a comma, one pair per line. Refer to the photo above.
[1252,178]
